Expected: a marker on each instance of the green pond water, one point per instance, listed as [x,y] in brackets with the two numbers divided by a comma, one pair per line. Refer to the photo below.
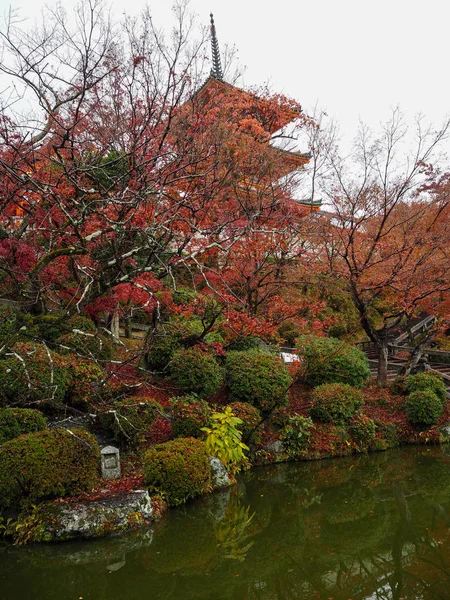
[373,527]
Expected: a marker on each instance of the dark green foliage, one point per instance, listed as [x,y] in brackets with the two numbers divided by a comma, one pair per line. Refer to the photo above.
[362,429]
[250,417]
[335,402]
[428,381]
[8,320]
[195,371]
[33,374]
[129,422]
[389,435]
[296,434]
[161,352]
[247,343]
[85,378]
[178,470]
[48,464]
[16,421]
[83,339]
[423,407]
[190,414]
[399,385]
[259,378]
[328,360]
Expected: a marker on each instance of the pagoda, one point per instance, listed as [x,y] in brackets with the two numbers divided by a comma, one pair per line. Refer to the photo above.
[216,87]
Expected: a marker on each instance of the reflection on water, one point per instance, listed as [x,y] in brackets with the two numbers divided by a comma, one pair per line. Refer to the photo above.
[374,527]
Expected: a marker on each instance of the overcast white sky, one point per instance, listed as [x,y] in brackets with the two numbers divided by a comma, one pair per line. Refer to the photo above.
[356,59]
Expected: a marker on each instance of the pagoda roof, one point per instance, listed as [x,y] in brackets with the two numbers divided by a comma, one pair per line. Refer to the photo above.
[214,84]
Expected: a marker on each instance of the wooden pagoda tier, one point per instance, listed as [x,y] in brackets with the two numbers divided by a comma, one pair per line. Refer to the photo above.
[218,92]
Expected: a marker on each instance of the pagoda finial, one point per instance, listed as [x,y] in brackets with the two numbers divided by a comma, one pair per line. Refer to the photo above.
[216,70]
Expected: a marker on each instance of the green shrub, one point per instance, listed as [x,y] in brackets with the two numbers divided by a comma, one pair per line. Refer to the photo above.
[250,417]
[224,440]
[195,371]
[362,429]
[16,421]
[296,434]
[178,470]
[161,352]
[328,360]
[259,378]
[386,437]
[85,379]
[428,381]
[250,342]
[33,374]
[85,340]
[47,464]
[280,417]
[190,414]
[129,422]
[423,407]
[399,385]
[8,320]
[335,402]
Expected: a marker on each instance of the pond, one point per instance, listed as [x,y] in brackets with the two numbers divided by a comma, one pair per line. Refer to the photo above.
[371,527]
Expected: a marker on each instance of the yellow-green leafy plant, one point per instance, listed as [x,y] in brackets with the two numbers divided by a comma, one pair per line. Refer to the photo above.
[224,440]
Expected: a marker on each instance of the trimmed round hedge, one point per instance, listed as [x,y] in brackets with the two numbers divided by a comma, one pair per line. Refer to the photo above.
[250,417]
[428,381]
[17,421]
[84,340]
[423,407]
[33,374]
[178,470]
[335,402]
[329,360]
[362,429]
[194,371]
[190,414]
[130,421]
[47,464]
[259,378]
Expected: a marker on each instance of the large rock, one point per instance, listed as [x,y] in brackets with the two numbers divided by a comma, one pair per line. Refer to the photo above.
[219,474]
[96,518]
[276,447]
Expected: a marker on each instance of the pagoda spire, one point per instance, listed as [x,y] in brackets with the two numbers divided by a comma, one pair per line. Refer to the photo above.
[216,70]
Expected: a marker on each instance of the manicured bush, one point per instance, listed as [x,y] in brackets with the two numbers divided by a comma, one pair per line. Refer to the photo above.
[130,421]
[362,429]
[195,371]
[259,378]
[335,402]
[178,470]
[85,379]
[399,385]
[296,434]
[190,414]
[250,417]
[8,319]
[47,464]
[423,407]
[428,381]
[250,342]
[161,352]
[84,340]
[33,374]
[328,360]
[16,421]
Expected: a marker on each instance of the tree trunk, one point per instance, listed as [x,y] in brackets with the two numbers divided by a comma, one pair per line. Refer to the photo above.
[115,327]
[128,328]
[382,363]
